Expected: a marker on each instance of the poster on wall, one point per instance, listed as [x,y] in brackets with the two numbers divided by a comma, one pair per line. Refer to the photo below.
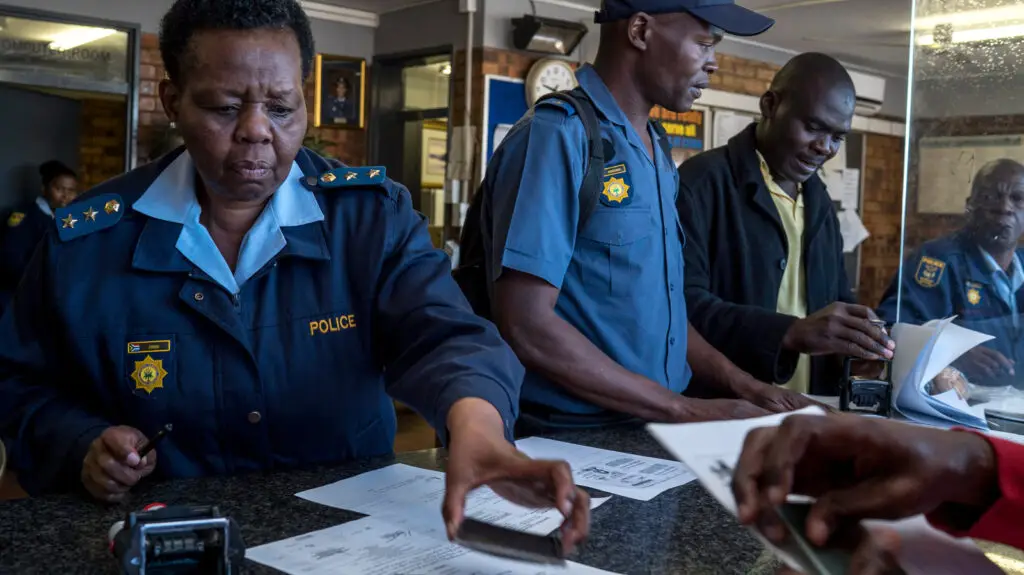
[728,124]
[340,93]
[687,134]
[434,160]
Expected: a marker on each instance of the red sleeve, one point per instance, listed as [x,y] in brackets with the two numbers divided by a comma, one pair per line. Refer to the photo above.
[1004,521]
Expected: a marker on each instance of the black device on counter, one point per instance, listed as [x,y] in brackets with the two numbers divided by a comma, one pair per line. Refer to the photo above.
[509,543]
[178,541]
[866,395]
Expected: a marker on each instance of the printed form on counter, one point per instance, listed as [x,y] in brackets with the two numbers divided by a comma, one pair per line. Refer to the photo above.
[405,491]
[384,546]
[625,474]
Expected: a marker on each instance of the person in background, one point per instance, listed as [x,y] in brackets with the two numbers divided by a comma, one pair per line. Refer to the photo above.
[597,314]
[26,225]
[261,302]
[766,282]
[976,274]
[967,484]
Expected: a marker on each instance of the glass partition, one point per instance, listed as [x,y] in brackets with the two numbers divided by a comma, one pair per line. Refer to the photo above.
[964,200]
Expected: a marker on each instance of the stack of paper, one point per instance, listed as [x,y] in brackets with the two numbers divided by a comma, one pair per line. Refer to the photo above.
[922,351]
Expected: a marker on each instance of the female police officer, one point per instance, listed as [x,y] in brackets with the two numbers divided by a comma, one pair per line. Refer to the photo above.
[261,302]
[27,225]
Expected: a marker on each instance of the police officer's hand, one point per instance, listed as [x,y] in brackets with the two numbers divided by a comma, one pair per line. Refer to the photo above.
[857,469]
[781,400]
[691,410]
[843,329]
[479,454]
[984,363]
[112,466]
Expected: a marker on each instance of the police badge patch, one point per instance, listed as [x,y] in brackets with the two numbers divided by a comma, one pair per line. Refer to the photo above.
[618,187]
[929,272]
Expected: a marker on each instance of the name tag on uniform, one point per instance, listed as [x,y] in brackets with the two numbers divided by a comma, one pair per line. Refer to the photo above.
[617,190]
[149,363]
[332,325]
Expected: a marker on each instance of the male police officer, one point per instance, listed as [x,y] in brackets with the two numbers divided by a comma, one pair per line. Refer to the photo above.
[597,314]
[976,274]
[263,304]
[766,282]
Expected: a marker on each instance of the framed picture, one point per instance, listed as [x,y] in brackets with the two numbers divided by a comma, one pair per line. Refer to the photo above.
[434,155]
[340,92]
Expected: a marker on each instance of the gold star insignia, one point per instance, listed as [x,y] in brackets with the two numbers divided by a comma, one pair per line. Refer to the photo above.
[328,178]
[70,221]
[112,207]
[374,173]
[90,214]
[351,176]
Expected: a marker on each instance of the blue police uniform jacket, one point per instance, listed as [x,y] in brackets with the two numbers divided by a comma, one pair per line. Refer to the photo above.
[949,276]
[129,316]
[22,230]
[621,276]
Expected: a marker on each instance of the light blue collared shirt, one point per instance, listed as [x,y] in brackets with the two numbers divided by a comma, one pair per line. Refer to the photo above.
[1006,284]
[44,206]
[172,198]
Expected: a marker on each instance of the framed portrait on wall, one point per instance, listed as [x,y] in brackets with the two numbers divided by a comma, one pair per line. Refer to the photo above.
[340,94]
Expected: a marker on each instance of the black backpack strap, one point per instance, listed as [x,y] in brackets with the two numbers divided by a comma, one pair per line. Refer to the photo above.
[666,146]
[590,189]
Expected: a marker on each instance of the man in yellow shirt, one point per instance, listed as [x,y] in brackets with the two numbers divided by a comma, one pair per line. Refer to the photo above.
[765,280]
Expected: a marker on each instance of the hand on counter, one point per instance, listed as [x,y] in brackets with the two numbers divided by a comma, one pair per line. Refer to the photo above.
[691,410]
[479,454]
[859,469]
[985,363]
[112,466]
[777,399]
[875,552]
[842,329]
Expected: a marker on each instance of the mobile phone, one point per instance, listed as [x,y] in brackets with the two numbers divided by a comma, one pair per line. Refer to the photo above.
[510,544]
[816,560]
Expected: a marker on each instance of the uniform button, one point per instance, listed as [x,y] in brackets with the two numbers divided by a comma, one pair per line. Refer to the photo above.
[671,341]
[782,264]
[199,296]
[672,287]
[255,417]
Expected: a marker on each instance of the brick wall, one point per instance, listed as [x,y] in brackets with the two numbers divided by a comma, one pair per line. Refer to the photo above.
[103,127]
[882,204]
[348,146]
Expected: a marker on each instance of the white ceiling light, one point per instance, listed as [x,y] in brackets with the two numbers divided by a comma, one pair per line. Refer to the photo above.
[976,35]
[79,36]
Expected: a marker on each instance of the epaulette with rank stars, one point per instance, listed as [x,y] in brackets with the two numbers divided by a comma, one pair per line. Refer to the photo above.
[88,216]
[348,178]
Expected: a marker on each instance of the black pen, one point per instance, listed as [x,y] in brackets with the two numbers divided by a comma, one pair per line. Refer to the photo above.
[151,444]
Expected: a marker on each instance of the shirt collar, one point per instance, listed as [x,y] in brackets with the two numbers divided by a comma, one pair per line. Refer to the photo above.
[44,206]
[598,91]
[1015,274]
[773,186]
[172,196]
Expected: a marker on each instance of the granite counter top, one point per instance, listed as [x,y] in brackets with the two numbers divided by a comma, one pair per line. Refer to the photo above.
[681,531]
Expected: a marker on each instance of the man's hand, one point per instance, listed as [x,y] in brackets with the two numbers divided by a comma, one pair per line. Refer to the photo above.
[480,455]
[875,552]
[690,410]
[984,363]
[859,469]
[112,465]
[842,329]
[779,399]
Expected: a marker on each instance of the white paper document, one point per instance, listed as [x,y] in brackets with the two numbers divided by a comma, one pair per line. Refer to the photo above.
[922,351]
[624,474]
[375,546]
[405,491]
[712,449]
[852,229]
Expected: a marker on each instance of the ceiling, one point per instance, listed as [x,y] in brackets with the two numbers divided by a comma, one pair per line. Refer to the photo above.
[377,6]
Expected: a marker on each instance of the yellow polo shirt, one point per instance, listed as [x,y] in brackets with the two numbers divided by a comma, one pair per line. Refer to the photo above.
[793,289]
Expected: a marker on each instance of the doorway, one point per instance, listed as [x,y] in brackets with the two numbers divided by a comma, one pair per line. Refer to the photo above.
[412,95]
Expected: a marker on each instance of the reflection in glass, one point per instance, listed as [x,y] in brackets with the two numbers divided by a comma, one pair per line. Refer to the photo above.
[965,191]
[56,49]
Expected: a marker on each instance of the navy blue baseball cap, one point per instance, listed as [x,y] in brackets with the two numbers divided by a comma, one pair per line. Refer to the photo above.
[724,14]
